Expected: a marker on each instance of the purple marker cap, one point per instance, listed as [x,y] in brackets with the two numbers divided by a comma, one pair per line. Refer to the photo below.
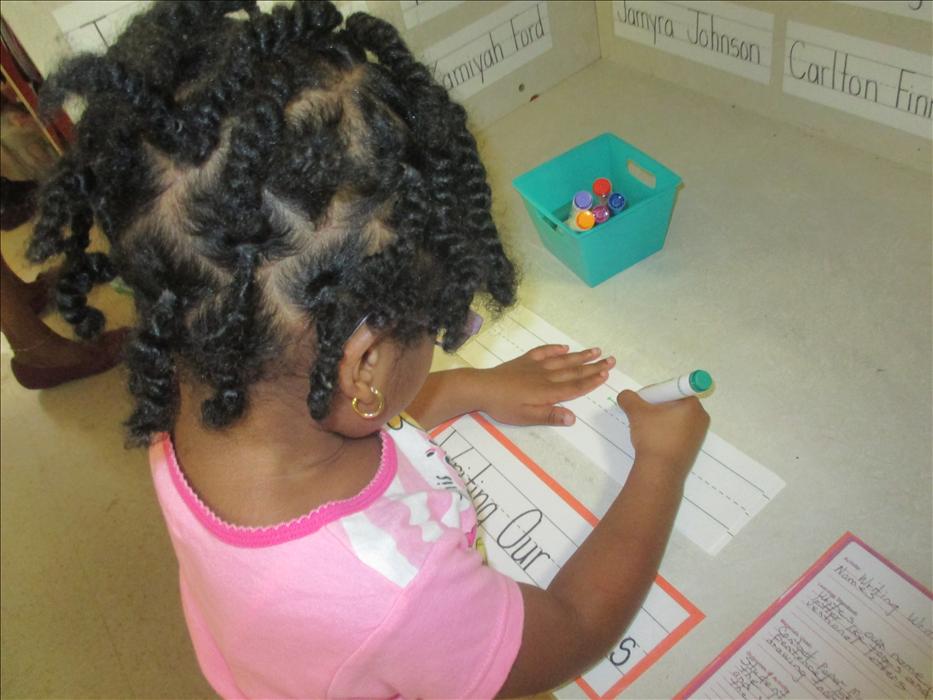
[616,202]
[601,214]
[583,200]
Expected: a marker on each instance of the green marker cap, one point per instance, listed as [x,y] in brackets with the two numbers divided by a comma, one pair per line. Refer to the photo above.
[700,381]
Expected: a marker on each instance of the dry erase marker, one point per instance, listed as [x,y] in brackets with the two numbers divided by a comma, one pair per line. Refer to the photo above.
[602,188]
[688,385]
[582,201]
[601,214]
[583,221]
[616,203]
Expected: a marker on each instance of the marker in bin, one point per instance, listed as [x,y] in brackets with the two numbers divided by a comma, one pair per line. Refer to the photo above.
[583,221]
[602,188]
[601,214]
[582,202]
[616,203]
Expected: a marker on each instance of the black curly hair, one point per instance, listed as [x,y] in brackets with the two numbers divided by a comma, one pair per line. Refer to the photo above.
[259,176]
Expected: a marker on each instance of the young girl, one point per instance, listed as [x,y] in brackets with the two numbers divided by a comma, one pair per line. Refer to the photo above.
[302,213]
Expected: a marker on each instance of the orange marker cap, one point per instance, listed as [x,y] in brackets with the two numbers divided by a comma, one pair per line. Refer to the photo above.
[602,187]
[585,220]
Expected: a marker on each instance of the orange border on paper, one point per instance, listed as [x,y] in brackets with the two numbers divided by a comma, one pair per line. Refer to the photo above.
[694,614]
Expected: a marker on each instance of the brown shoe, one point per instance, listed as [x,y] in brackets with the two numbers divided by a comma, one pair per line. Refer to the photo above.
[17,202]
[108,353]
[42,290]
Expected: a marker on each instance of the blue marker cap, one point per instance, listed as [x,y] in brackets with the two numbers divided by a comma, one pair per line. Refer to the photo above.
[583,200]
[616,202]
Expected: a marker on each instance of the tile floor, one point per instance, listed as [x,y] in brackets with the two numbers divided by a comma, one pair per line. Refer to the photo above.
[90,607]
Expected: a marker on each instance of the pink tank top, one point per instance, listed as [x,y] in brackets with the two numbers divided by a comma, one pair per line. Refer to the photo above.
[381,595]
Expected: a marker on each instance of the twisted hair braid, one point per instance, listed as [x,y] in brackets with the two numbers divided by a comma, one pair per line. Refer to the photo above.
[226,334]
[58,202]
[457,174]
[152,368]
[265,37]
[262,178]
[166,45]
[80,273]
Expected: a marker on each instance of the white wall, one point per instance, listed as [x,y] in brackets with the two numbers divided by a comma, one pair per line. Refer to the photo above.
[492,68]
[477,52]
[873,40]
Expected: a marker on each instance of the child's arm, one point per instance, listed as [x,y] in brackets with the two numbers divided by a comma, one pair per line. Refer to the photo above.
[597,593]
[523,391]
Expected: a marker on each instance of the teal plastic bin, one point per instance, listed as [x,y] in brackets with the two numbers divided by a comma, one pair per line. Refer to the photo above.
[632,235]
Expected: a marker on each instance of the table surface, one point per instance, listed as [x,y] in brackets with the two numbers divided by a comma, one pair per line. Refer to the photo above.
[797,270]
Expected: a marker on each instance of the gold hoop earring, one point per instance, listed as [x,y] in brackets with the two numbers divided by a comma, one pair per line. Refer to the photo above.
[380,404]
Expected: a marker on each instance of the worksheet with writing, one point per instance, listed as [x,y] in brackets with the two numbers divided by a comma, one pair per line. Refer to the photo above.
[530,525]
[726,487]
[853,626]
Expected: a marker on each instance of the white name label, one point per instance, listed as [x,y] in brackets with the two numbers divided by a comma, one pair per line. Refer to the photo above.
[729,37]
[418,12]
[915,9]
[883,83]
[490,48]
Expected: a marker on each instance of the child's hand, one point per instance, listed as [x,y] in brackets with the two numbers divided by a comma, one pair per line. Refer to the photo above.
[524,391]
[667,433]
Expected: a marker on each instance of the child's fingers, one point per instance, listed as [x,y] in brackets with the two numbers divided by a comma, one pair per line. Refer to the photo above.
[571,359]
[630,402]
[547,414]
[543,352]
[574,388]
[582,371]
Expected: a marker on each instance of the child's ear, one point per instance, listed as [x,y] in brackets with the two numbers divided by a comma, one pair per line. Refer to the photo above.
[357,369]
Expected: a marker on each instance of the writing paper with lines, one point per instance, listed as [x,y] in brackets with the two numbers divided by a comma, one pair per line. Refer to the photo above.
[726,487]
[531,525]
[853,626]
